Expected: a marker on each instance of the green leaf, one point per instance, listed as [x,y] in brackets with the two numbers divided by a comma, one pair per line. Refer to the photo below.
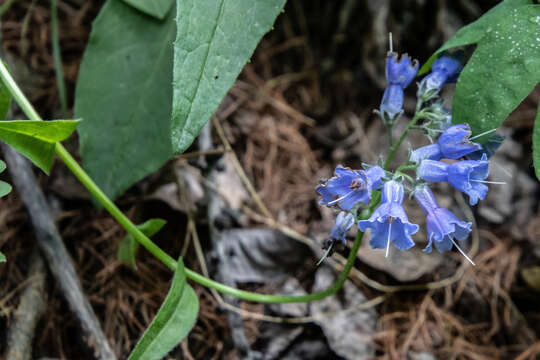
[504,68]
[2,257]
[124,95]
[475,31]
[128,247]
[36,139]
[5,100]
[215,38]
[155,8]
[5,188]
[536,144]
[173,321]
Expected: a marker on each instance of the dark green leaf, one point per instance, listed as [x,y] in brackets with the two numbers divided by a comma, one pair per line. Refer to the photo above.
[124,95]
[173,321]
[128,247]
[475,31]
[36,139]
[536,144]
[503,69]
[215,38]
[155,8]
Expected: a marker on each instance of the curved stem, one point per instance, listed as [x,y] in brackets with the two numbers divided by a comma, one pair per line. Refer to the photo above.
[92,187]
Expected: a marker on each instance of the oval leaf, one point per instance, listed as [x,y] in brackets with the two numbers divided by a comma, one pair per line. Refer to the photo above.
[124,95]
[215,38]
[36,139]
[173,321]
[503,70]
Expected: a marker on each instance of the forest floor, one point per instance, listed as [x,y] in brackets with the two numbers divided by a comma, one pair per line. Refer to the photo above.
[301,106]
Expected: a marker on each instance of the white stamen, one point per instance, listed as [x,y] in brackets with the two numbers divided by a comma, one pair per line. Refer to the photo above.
[462,252]
[388,242]
[341,198]
[390,42]
[507,172]
[482,134]
[325,254]
[490,182]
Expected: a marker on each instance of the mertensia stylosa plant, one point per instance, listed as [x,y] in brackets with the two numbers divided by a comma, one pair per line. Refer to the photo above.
[370,198]
[446,159]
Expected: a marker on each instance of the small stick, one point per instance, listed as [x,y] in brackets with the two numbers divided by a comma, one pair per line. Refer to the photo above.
[31,307]
[54,250]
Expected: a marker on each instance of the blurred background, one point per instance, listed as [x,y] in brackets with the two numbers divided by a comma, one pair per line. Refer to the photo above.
[301,106]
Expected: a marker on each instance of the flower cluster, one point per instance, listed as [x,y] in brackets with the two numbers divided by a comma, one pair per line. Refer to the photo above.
[452,157]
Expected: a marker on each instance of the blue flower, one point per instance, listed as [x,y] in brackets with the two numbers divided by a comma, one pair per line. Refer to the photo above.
[432,170]
[430,152]
[455,143]
[344,222]
[442,226]
[444,69]
[399,75]
[389,222]
[467,176]
[452,144]
[350,187]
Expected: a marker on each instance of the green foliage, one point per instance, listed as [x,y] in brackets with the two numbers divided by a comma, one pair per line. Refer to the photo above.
[5,188]
[2,258]
[504,67]
[155,8]
[536,144]
[124,95]
[173,321]
[5,100]
[215,38]
[128,247]
[36,139]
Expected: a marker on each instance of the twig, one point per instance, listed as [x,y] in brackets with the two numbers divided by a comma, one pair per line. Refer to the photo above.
[216,206]
[240,170]
[31,308]
[52,246]
[193,154]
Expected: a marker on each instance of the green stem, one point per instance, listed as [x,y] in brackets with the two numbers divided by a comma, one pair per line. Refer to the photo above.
[171,263]
[389,131]
[57,58]
[417,116]
[151,246]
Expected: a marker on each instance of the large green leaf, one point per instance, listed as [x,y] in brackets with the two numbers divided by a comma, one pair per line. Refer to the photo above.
[36,139]
[475,31]
[128,247]
[173,321]
[124,95]
[504,67]
[536,144]
[215,38]
[2,257]
[155,8]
